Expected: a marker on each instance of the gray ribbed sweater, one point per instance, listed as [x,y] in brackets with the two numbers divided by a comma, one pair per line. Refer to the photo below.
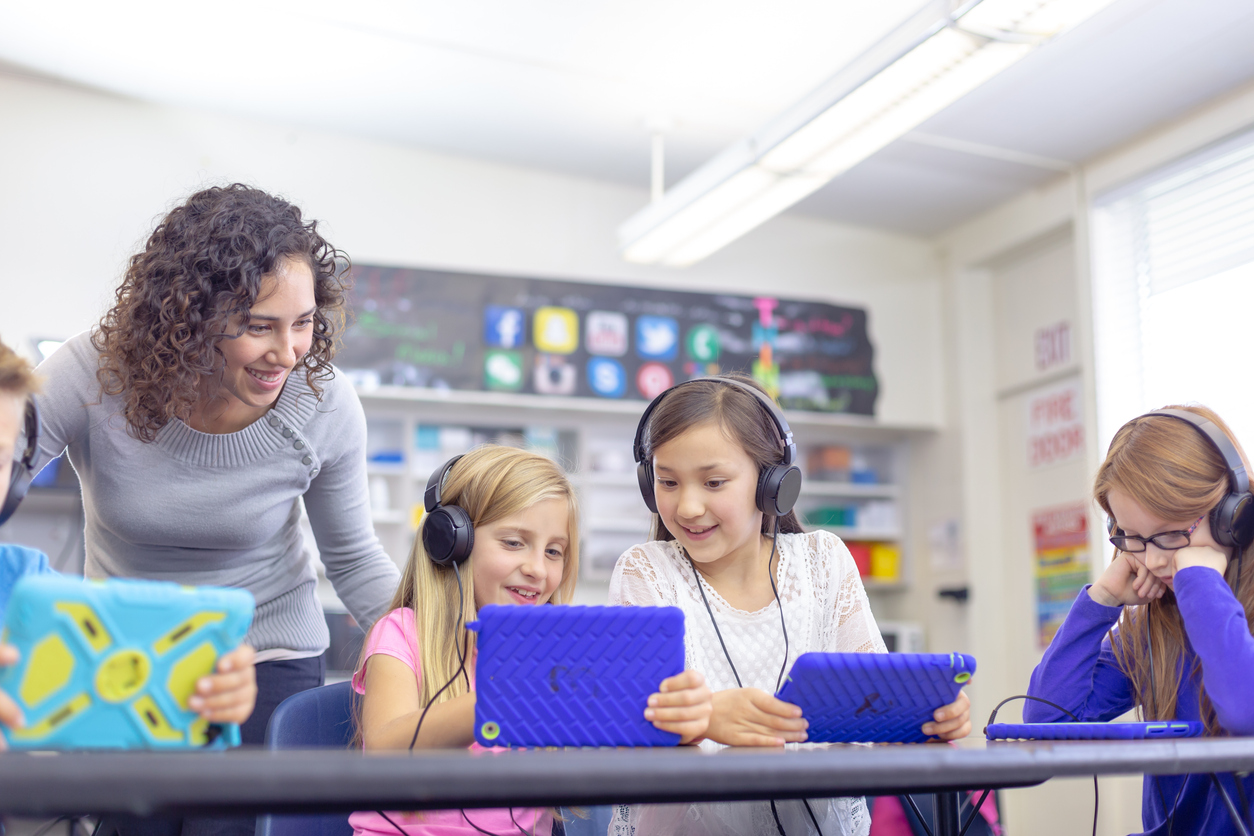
[224,509]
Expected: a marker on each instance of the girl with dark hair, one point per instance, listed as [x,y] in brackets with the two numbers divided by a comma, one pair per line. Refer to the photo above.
[201,414]
[757,591]
[1165,630]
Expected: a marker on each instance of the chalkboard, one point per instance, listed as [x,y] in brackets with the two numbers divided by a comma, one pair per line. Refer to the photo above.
[470,331]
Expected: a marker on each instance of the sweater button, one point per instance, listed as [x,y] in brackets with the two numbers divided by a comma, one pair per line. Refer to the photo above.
[306,460]
[287,433]
[299,445]
[313,472]
[273,420]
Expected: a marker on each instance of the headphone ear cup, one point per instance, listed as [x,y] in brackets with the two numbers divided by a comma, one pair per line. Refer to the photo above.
[19,483]
[448,536]
[1232,521]
[644,475]
[778,489]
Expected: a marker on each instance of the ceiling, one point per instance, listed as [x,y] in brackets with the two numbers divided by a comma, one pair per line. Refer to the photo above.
[577,86]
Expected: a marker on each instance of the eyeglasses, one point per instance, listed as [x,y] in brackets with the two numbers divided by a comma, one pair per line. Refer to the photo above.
[1166,540]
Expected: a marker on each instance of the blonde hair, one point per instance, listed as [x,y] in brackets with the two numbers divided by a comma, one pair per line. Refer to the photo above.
[1174,473]
[489,483]
[16,376]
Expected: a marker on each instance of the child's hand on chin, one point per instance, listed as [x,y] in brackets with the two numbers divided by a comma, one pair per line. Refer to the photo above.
[1201,556]
[953,721]
[10,714]
[752,717]
[682,705]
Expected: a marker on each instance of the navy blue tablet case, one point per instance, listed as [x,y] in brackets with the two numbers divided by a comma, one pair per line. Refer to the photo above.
[1092,731]
[873,697]
[573,676]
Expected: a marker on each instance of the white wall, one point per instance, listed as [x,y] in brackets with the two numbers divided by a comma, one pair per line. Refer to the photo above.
[84,176]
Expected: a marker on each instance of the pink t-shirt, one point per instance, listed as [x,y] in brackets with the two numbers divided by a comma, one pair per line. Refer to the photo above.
[396,635]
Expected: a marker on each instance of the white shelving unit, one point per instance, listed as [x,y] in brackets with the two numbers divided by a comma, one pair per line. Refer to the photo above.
[592,440]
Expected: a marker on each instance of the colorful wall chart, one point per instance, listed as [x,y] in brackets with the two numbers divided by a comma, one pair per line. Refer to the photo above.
[478,332]
[1061,536]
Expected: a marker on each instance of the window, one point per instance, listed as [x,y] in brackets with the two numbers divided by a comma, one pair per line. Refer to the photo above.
[1173,289]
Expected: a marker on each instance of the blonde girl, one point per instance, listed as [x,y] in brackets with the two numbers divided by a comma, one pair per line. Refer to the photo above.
[757,591]
[525,552]
[1166,628]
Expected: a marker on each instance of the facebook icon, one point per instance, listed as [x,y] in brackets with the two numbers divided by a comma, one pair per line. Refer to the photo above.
[502,327]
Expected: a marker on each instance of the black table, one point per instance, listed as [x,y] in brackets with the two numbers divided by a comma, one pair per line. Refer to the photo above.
[256,781]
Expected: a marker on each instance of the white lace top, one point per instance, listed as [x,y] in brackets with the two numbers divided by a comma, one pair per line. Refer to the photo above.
[825,609]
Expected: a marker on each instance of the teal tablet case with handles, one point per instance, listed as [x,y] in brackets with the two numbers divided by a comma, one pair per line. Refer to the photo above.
[573,676]
[873,697]
[111,664]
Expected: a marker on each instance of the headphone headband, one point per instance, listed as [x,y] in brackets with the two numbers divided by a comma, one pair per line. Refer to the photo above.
[435,485]
[786,441]
[1239,479]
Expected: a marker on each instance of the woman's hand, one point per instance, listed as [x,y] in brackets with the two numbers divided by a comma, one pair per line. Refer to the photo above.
[229,695]
[1126,581]
[10,714]
[683,705]
[951,722]
[1202,556]
[752,717]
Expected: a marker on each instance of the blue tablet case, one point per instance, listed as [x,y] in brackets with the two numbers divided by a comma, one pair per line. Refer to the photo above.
[573,676]
[1092,731]
[111,664]
[873,697]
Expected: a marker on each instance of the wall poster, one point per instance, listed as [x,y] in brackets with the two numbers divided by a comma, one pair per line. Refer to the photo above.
[468,331]
[1061,537]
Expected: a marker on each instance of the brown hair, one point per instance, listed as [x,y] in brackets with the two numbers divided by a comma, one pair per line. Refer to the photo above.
[202,265]
[1173,472]
[16,376]
[737,413]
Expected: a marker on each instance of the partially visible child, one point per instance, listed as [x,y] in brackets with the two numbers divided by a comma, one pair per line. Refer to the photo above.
[526,552]
[225,697]
[1166,628]
[715,554]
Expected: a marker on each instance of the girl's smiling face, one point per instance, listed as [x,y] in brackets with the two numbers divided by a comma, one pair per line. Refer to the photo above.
[706,487]
[519,559]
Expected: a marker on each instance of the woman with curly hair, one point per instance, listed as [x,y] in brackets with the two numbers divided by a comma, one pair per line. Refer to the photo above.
[204,409]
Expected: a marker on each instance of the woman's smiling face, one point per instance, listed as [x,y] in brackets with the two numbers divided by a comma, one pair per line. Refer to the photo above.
[519,559]
[277,334]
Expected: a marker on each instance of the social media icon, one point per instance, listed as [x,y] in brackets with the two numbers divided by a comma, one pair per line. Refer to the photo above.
[503,370]
[556,330]
[607,377]
[653,379]
[503,327]
[606,333]
[657,337]
[554,375]
[703,343]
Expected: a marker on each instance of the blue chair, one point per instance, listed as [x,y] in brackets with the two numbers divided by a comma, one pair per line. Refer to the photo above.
[320,717]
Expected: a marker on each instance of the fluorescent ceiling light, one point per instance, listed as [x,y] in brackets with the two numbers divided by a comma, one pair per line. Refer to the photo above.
[931,61]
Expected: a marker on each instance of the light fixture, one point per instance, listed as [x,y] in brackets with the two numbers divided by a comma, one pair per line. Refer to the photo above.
[937,56]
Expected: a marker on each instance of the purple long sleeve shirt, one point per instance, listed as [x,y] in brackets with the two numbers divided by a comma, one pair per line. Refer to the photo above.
[1079,672]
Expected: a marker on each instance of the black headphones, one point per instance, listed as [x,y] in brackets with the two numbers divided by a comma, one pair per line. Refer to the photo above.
[23,465]
[1232,520]
[448,535]
[778,484]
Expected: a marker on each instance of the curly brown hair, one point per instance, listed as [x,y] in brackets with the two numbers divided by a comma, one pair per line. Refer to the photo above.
[202,265]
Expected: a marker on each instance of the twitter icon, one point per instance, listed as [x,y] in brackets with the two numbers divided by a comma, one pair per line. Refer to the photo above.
[657,337]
